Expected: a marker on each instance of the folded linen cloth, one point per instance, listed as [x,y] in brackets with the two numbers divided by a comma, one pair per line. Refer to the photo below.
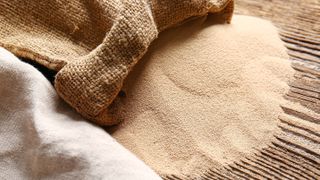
[93,43]
[41,137]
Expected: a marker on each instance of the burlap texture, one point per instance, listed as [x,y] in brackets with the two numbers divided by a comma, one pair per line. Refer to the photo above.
[93,44]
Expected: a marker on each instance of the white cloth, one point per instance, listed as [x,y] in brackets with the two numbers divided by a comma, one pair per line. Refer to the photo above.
[41,137]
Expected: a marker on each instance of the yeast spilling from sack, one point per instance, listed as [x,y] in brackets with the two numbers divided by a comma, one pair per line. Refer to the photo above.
[205,95]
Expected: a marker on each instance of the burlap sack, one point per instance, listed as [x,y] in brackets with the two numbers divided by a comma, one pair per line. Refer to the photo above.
[93,44]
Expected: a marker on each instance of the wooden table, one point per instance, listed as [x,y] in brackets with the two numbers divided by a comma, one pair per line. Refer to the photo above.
[295,152]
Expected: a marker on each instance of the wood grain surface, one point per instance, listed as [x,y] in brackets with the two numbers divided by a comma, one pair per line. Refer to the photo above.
[295,152]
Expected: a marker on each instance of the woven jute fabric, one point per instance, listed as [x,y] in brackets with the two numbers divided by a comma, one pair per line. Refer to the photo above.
[93,44]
